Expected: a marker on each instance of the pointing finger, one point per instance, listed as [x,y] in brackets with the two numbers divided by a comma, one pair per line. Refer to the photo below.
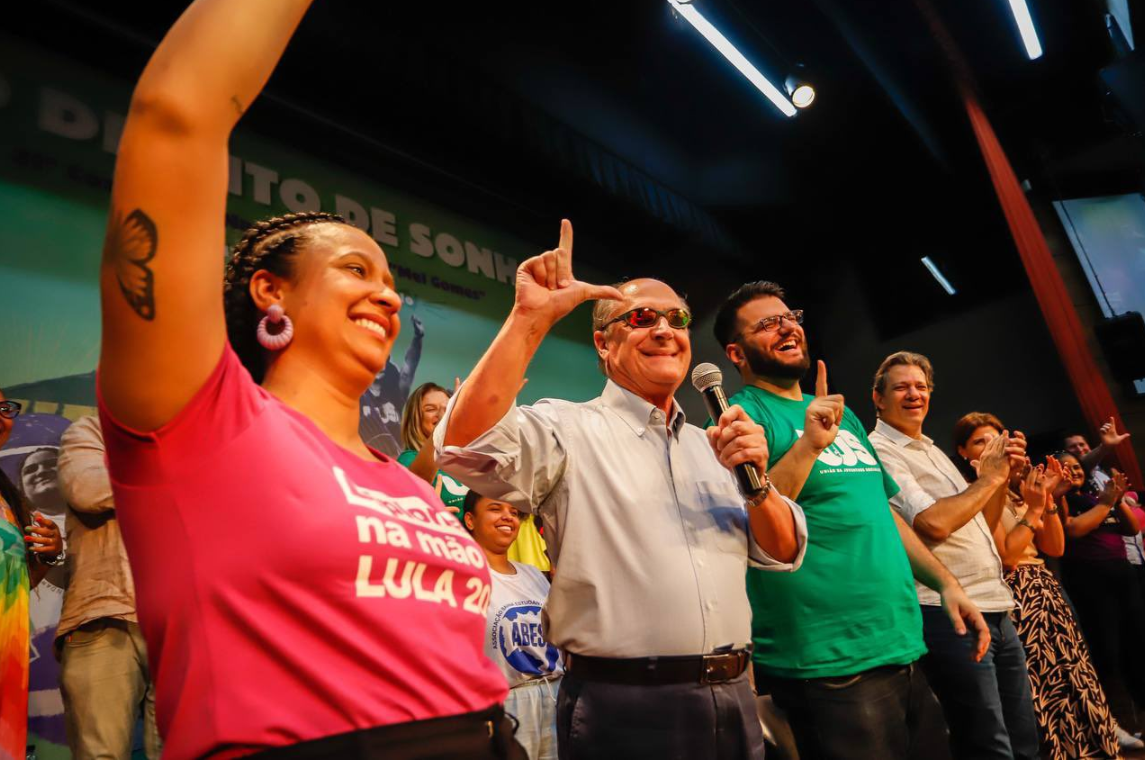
[566,236]
[821,379]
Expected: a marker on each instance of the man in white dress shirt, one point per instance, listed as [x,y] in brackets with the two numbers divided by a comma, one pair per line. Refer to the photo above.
[987,703]
[648,532]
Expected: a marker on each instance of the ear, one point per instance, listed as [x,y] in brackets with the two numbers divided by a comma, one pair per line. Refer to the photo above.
[877,400]
[600,340]
[266,289]
[734,352]
[469,521]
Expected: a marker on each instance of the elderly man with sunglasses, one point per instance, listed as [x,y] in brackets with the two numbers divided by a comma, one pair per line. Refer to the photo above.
[648,532]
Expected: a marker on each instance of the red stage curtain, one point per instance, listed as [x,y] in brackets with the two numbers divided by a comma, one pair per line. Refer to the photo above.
[1061,318]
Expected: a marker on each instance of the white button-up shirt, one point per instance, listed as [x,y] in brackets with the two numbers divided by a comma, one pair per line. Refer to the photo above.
[646,530]
[925,474]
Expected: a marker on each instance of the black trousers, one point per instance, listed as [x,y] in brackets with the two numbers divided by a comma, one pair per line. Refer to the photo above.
[1107,596]
[484,735]
[693,721]
[878,710]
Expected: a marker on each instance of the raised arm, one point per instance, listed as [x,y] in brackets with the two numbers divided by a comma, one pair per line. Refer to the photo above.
[162,275]
[950,513]
[546,292]
[413,356]
[1086,522]
[1012,545]
[1050,538]
[1110,440]
[820,425]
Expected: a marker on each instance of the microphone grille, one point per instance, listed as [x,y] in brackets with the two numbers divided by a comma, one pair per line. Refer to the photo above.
[706,375]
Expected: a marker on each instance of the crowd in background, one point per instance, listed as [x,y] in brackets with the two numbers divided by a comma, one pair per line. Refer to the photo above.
[575,580]
[1065,564]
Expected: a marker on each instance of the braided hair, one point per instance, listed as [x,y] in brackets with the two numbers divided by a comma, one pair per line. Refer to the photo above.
[271,245]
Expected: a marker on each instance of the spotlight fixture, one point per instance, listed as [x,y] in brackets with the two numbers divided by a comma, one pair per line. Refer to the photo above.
[734,56]
[799,88]
[933,269]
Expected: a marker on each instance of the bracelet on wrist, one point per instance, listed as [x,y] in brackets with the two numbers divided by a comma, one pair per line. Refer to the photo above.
[760,496]
[55,561]
[1026,522]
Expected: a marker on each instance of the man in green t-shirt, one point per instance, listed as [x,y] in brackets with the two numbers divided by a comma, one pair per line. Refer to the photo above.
[834,642]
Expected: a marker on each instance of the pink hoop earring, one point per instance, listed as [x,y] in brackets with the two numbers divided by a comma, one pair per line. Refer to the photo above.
[281,339]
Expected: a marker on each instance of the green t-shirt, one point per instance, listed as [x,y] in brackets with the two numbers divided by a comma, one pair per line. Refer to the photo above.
[452,493]
[852,605]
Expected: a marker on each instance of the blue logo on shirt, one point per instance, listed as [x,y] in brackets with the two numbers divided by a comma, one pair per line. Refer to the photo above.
[521,643]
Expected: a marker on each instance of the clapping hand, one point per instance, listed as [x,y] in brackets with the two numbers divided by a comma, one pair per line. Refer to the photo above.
[546,288]
[1057,483]
[994,462]
[1114,489]
[824,413]
[1034,491]
[1016,452]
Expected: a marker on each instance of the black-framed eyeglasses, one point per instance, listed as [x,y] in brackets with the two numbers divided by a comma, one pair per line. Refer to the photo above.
[10,409]
[771,324]
[646,316]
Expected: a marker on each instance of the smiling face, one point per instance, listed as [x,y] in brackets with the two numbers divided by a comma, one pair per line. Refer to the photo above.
[906,399]
[777,355]
[1073,470]
[494,524]
[1077,445]
[341,300]
[651,362]
[433,406]
[38,476]
[977,441]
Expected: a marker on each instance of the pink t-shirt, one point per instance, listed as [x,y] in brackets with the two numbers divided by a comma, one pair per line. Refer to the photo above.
[288,589]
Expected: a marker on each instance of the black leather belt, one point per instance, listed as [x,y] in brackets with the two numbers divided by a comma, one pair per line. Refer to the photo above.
[659,671]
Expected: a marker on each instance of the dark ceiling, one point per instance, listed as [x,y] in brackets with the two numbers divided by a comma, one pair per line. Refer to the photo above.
[504,111]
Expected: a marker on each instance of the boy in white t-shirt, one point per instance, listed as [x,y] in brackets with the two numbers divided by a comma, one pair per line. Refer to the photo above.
[513,636]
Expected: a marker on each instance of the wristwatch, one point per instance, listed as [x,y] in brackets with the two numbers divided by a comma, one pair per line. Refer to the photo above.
[1026,522]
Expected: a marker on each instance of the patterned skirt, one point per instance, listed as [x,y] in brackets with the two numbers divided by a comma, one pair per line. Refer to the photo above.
[1073,714]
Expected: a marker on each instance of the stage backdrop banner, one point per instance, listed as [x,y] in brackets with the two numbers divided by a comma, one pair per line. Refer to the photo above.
[59,127]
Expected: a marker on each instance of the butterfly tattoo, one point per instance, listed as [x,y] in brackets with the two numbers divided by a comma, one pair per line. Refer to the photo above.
[131,244]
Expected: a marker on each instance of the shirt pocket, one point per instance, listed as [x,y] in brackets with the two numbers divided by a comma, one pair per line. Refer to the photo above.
[717,517]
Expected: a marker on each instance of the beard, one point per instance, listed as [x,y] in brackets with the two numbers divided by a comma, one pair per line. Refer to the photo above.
[763,365]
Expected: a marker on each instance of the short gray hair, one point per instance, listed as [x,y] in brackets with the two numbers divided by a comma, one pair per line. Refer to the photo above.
[601,313]
[902,359]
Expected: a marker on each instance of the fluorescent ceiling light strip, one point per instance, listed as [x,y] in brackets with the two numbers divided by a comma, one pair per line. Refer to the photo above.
[1021,13]
[945,283]
[729,51]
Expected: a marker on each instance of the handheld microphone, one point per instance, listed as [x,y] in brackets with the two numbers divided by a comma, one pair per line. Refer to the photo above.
[708,380]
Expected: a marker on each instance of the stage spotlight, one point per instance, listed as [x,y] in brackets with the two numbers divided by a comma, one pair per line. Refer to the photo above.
[801,91]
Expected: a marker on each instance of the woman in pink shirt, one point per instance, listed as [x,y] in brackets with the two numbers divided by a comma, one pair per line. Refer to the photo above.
[301,594]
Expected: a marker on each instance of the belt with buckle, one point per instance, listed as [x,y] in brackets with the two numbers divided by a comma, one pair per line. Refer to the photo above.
[659,671]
